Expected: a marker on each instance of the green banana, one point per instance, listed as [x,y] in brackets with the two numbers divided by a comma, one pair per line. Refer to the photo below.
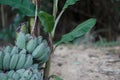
[7,49]
[1,59]
[36,72]
[45,54]
[39,74]
[14,50]
[31,45]
[6,61]
[10,73]
[13,61]
[39,50]
[28,74]
[34,66]
[16,76]
[23,78]
[21,40]
[29,61]
[43,61]
[21,61]
[28,37]
[23,51]
[44,58]
[45,42]
[20,71]
[40,38]
[3,76]
[34,77]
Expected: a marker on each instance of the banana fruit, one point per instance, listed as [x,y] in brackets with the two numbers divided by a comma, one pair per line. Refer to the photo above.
[16,76]
[23,51]
[34,77]
[3,76]
[20,71]
[39,50]
[10,73]
[28,37]
[40,38]
[21,40]
[44,58]
[14,50]
[29,61]
[31,45]
[7,49]
[27,74]
[21,61]
[13,61]
[6,61]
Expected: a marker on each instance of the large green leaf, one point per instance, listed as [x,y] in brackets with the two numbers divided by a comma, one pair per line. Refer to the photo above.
[47,21]
[69,2]
[79,31]
[23,6]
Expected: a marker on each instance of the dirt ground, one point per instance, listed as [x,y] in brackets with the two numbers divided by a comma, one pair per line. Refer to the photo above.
[86,63]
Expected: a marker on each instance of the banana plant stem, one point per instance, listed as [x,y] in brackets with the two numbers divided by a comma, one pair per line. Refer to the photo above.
[55,8]
[56,22]
[35,21]
[48,63]
[47,69]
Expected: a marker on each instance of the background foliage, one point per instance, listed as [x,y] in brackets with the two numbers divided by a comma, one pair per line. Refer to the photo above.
[106,12]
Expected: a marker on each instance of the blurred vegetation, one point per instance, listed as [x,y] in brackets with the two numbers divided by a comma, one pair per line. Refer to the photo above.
[107,13]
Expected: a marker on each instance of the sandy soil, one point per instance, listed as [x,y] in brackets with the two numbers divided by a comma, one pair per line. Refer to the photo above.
[81,63]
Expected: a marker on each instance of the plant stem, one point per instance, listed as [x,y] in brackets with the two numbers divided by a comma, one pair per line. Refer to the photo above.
[47,69]
[35,21]
[56,22]
[55,8]
[47,66]
[2,15]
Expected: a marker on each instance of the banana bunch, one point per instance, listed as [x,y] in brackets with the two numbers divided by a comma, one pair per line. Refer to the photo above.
[35,46]
[18,62]
[22,74]
[14,59]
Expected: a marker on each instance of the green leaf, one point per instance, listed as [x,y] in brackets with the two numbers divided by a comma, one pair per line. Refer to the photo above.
[47,21]
[69,2]
[55,77]
[79,31]
[23,6]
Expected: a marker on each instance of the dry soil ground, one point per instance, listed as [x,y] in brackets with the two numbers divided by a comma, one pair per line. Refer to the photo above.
[80,63]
